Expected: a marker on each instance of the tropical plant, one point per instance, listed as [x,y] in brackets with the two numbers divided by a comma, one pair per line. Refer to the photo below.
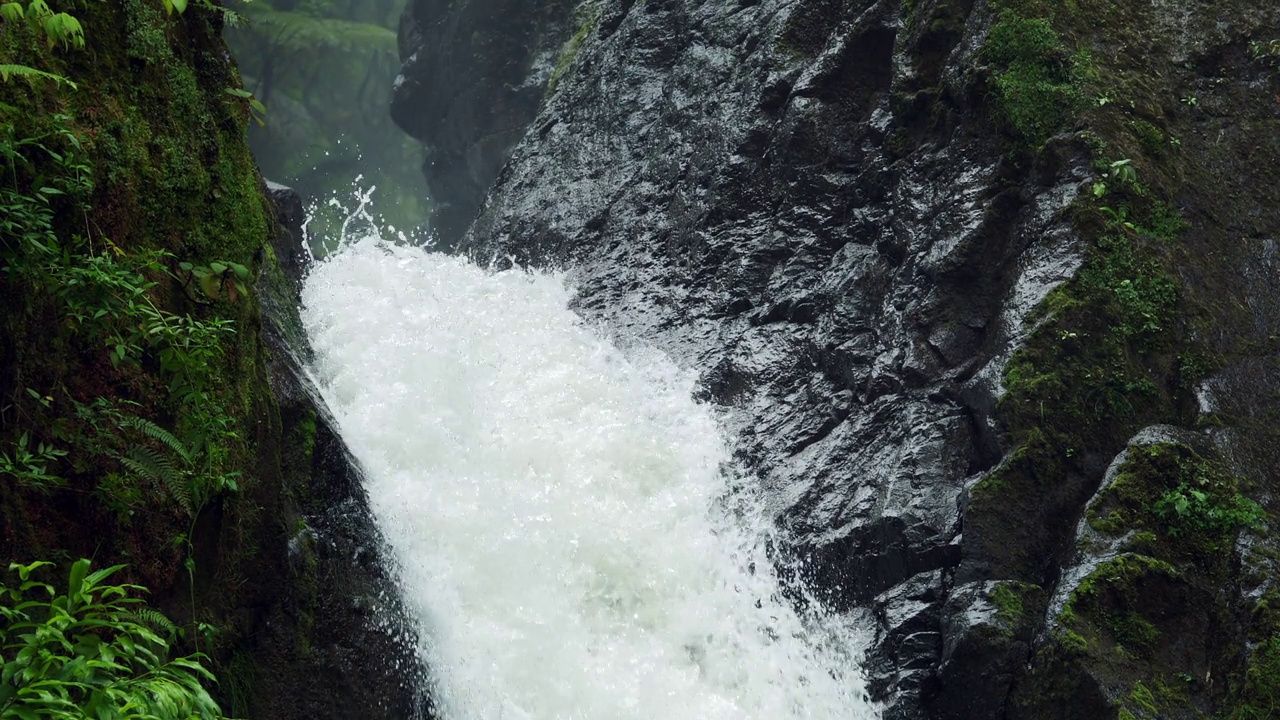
[93,650]
[218,278]
[29,463]
[1204,508]
[59,28]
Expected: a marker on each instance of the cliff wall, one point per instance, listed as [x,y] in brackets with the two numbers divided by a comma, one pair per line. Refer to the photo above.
[989,291]
[150,373]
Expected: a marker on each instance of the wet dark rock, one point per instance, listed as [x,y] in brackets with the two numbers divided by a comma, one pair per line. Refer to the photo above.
[332,639]
[811,204]
[745,211]
[288,242]
[473,76]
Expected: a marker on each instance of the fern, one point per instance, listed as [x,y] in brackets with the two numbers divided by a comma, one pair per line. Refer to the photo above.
[8,71]
[152,618]
[155,467]
[298,32]
[164,437]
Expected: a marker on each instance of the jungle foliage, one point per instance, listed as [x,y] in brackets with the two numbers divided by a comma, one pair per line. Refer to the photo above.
[130,217]
[324,70]
[92,649]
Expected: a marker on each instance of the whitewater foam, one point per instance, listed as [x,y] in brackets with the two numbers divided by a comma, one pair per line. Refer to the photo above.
[570,539]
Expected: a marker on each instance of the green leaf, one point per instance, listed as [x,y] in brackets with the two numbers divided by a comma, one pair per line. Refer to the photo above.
[179,5]
[211,284]
[11,11]
[24,571]
[7,71]
[75,585]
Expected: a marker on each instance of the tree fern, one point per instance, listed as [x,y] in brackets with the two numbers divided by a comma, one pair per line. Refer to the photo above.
[299,32]
[23,71]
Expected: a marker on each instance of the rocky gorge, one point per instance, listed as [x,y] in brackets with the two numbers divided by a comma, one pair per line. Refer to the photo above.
[987,288]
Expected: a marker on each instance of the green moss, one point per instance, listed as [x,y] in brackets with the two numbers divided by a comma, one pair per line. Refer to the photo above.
[1036,82]
[1193,503]
[586,17]
[1151,139]
[1103,611]
[306,435]
[1259,697]
[1070,641]
[1118,573]
[1008,602]
[146,39]
[1142,699]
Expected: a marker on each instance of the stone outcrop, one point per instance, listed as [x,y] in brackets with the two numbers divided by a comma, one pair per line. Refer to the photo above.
[843,215]
[474,74]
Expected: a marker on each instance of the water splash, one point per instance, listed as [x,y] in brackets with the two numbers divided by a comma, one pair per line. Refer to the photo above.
[569,538]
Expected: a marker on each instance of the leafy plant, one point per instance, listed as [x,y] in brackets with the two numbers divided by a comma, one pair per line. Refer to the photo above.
[58,27]
[183,468]
[257,111]
[92,651]
[30,465]
[8,71]
[217,278]
[1201,508]
[105,296]
[1118,174]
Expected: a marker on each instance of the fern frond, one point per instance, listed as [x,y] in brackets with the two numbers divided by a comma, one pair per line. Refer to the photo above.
[159,434]
[8,71]
[153,619]
[148,463]
[151,465]
[298,31]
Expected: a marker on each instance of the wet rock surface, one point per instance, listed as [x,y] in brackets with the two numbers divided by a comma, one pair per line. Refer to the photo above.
[330,609]
[474,74]
[811,204]
[753,199]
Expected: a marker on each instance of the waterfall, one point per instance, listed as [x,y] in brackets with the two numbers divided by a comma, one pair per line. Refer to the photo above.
[573,541]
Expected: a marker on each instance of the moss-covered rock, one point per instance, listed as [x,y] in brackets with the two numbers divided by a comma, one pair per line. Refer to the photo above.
[162,174]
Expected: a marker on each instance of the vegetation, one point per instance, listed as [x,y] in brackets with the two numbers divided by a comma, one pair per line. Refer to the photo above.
[1120,347]
[324,69]
[585,17]
[1037,83]
[104,296]
[92,650]
[1170,489]
[131,232]
[1259,698]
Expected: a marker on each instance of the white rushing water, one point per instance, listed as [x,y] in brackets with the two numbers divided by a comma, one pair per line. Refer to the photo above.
[569,540]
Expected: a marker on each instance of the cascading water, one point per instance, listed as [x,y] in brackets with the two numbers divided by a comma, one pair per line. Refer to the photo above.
[569,538]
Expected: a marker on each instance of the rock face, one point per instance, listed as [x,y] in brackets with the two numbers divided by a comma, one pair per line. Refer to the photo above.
[474,74]
[329,582]
[251,531]
[838,213]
